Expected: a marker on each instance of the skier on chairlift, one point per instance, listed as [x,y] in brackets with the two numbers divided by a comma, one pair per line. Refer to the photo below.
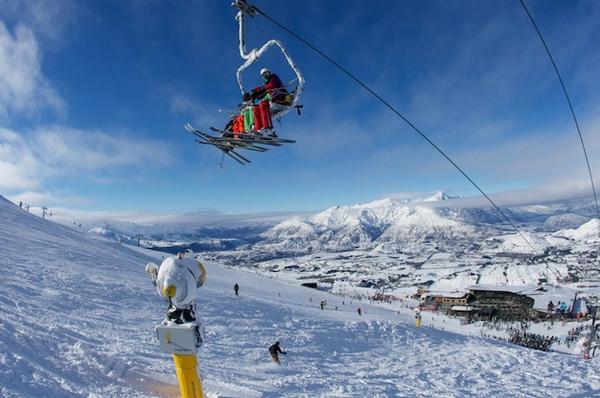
[257,117]
[273,89]
[272,95]
[252,127]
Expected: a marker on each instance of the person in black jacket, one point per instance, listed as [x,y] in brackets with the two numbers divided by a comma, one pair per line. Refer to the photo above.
[274,350]
[236,288]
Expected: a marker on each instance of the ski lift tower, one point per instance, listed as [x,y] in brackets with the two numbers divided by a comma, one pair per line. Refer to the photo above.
[592,341]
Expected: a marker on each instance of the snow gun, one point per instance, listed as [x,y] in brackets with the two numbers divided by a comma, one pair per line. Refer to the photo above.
[177,281]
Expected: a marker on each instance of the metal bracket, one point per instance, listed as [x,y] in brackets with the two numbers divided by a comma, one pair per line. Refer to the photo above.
[244,7]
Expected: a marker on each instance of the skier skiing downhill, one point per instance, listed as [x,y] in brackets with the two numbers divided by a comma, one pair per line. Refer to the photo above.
[275,350]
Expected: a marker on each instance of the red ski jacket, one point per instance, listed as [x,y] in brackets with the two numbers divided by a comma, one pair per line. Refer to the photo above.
[274,86]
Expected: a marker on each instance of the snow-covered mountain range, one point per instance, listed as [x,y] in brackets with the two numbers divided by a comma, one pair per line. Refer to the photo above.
[365,226]
[344,227]
[429,239]
[391,243]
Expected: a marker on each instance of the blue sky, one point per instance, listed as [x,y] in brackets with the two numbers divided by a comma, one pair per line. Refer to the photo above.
[94,95]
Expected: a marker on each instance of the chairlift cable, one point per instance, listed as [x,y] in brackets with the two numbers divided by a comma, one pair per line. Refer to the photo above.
[562,84]
[397,113]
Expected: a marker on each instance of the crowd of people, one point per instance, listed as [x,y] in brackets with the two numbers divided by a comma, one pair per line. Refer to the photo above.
[575,334]
[520,336]
[375,298]
[532,340]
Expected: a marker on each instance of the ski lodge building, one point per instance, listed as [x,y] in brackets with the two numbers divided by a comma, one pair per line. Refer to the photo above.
[501,301]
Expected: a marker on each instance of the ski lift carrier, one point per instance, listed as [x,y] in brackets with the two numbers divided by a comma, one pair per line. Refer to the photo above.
[227,141]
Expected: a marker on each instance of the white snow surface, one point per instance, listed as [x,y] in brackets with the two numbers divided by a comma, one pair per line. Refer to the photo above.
[77,319]
[563,221]
[590,231]
[515,243]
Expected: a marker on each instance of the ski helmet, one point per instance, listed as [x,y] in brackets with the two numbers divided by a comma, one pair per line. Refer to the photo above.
[264,71]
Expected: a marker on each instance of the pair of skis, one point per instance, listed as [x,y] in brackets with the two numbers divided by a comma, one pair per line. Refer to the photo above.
[228,143]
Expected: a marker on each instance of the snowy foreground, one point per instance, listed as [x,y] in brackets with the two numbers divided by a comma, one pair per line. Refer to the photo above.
[77,319]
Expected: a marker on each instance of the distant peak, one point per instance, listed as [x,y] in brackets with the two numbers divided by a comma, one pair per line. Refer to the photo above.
[421,197]
[382,202]
[438,196]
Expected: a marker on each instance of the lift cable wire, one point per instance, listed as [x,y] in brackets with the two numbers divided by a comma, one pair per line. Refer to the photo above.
[587,160]
[397,113]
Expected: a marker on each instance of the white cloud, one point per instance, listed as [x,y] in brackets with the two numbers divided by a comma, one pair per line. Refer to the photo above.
[533,158]
[196,219]
[46,198]
[13,177]
[324,132]
[498,74]
[71,149]
[535,195]
[23,86]
[18,166]
[556,191]
[27,160]
[203,114]
[539,156]
[559,190]
[48,19]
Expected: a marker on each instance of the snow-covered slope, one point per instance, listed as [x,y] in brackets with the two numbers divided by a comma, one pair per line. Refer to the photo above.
[77,320]
[563,221]
[110,234]
[525,243]
[588,232]
[65,324]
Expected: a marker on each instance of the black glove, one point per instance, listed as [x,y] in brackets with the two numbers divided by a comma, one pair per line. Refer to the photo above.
[258,93]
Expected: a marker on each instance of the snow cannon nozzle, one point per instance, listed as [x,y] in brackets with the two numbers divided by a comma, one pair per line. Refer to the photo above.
[170,291]
[177,280]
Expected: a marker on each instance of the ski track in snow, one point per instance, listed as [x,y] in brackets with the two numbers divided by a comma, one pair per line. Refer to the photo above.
[77,319]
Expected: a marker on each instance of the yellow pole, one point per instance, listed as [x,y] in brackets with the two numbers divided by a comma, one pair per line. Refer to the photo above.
[189,383]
